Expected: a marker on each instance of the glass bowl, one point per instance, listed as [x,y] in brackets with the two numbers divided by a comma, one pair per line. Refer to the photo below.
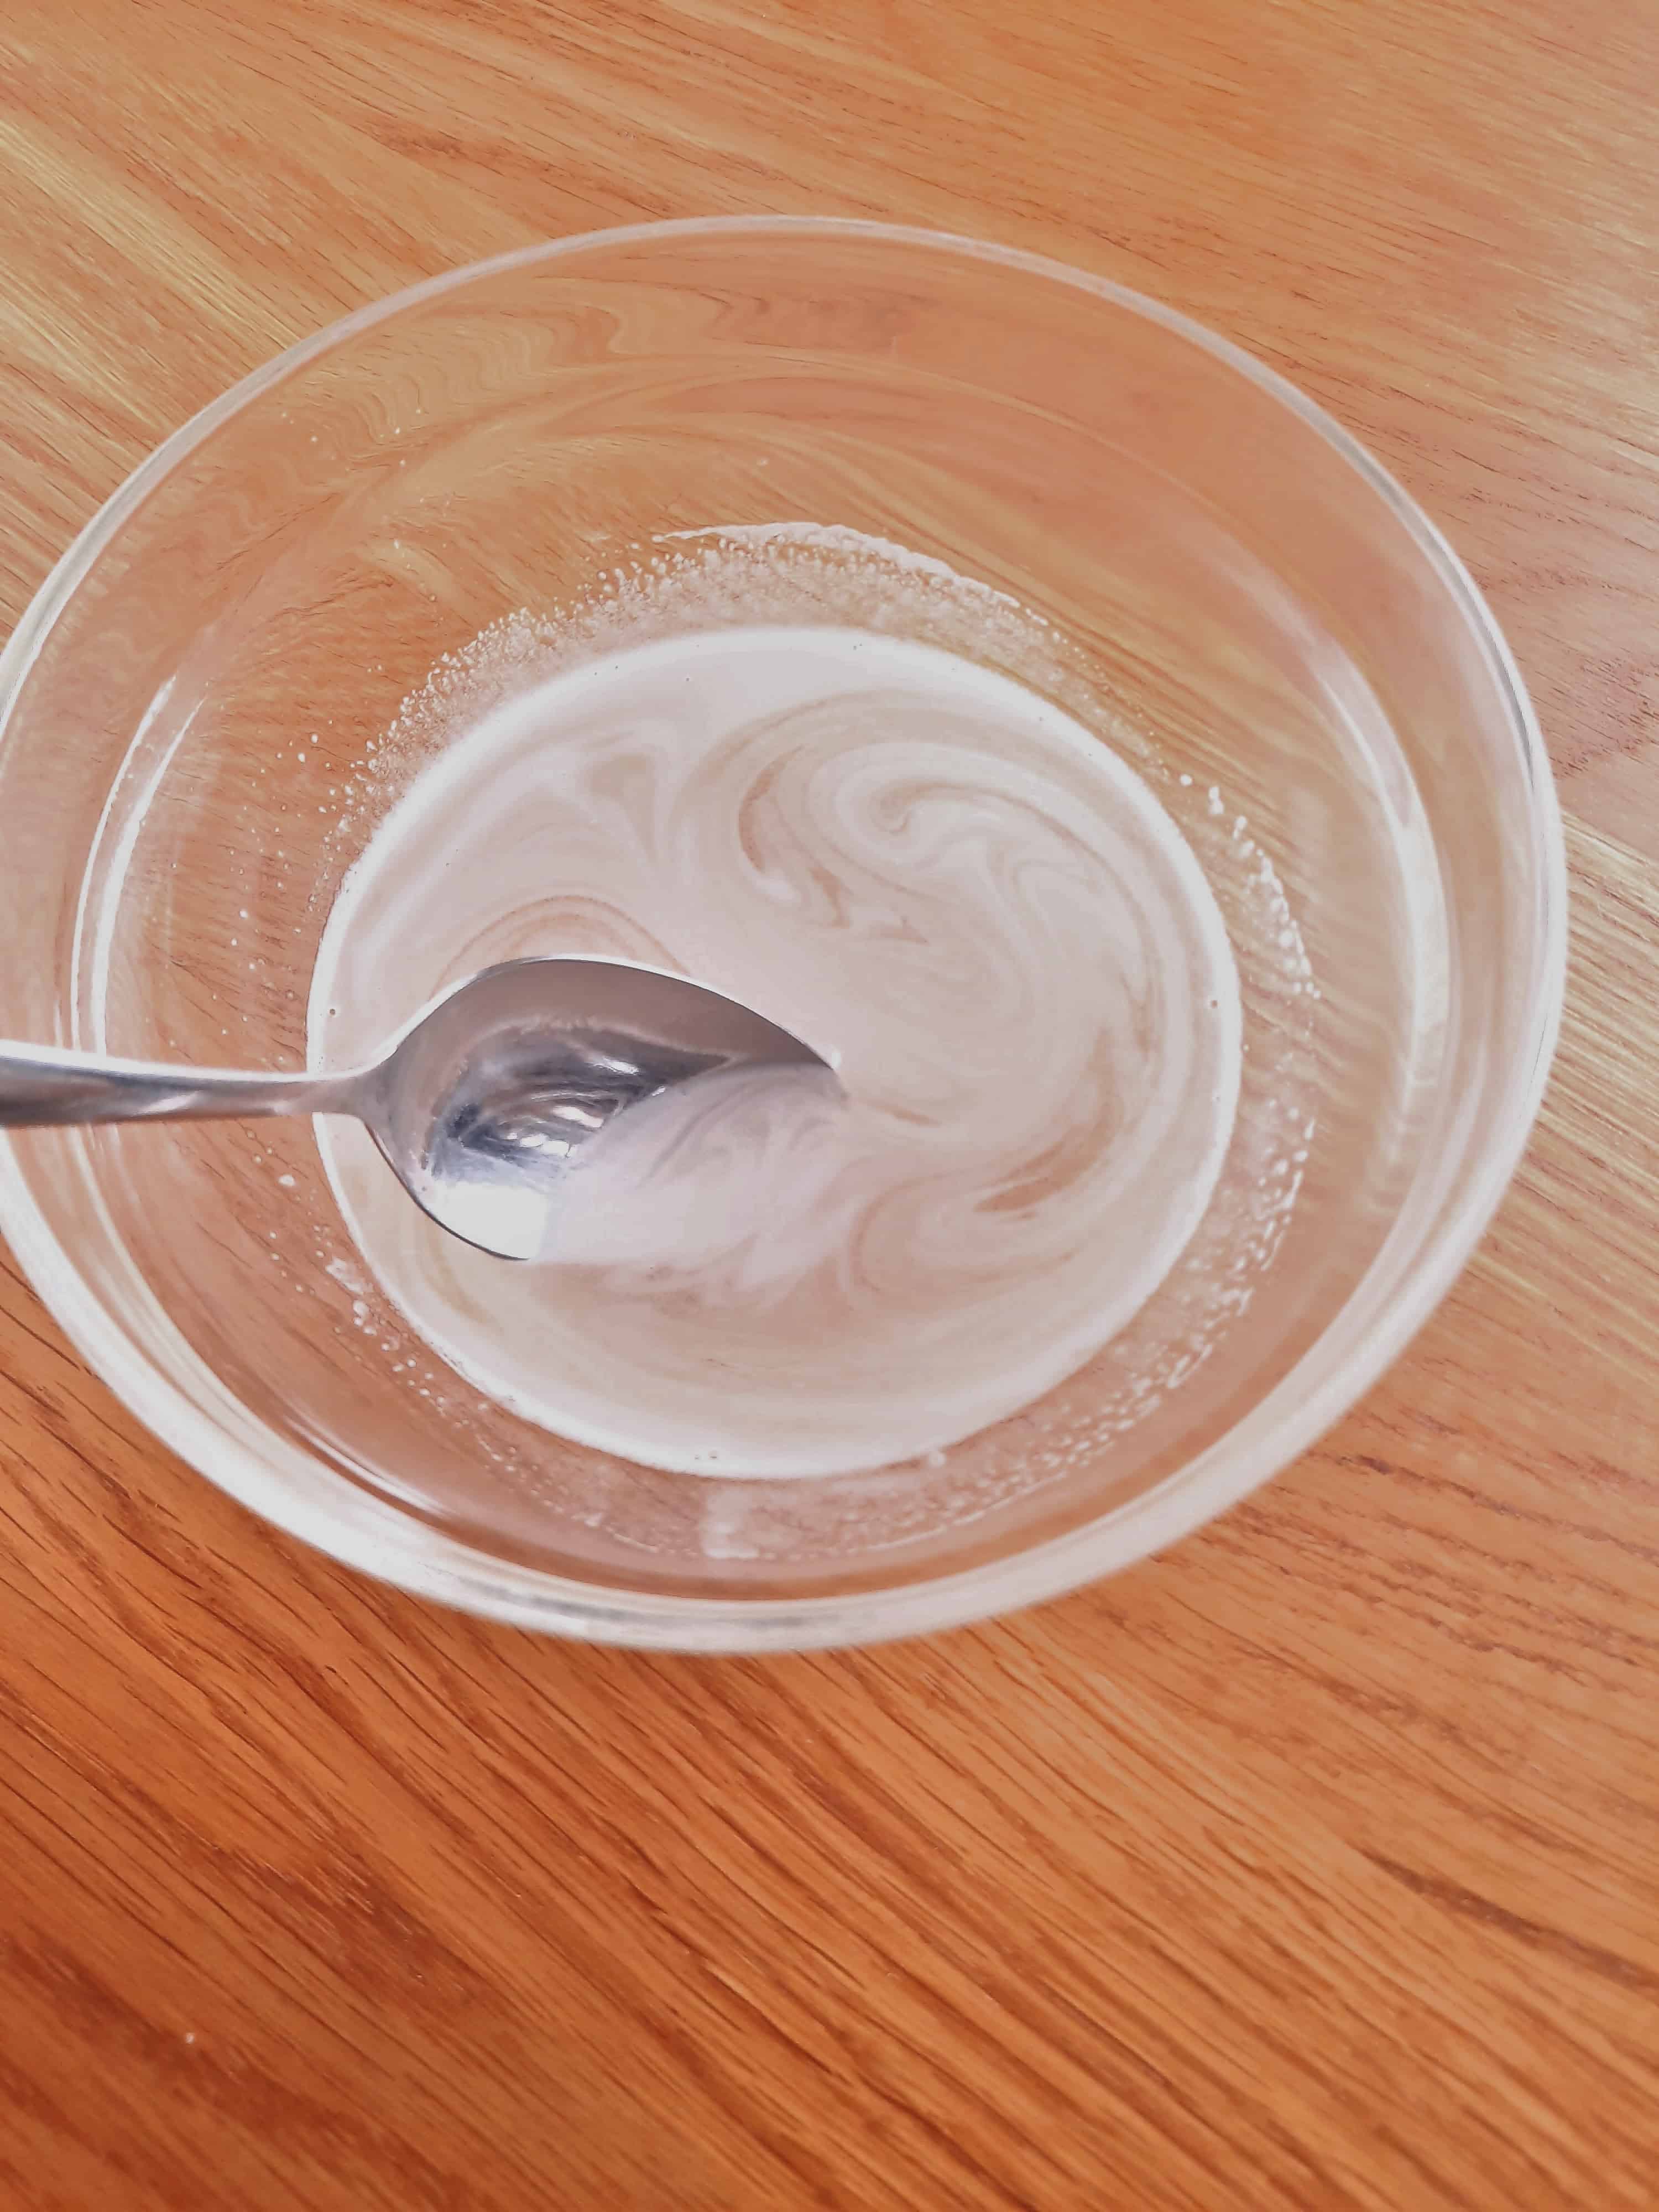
[219,693]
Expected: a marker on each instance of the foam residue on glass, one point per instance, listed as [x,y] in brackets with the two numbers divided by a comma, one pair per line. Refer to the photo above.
[934,873]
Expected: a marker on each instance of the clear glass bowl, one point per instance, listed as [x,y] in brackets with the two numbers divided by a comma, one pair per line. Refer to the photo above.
[191,724]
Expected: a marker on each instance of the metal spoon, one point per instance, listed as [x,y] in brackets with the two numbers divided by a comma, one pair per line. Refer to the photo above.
[477,1106]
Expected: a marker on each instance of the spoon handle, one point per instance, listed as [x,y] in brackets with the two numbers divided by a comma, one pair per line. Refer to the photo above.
[41,1087]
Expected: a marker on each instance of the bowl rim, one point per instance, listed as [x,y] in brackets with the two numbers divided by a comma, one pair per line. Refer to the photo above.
[383,1541]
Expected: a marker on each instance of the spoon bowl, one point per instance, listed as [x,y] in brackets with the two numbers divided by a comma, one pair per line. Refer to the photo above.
[481,1104]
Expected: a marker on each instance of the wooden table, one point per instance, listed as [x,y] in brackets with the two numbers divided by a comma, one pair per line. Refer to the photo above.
[1313,1865]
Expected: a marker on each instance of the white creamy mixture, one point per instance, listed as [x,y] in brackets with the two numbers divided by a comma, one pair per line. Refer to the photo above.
[945,884]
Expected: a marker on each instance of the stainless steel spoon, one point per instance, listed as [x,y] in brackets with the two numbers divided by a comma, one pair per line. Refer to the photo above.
[480,1104]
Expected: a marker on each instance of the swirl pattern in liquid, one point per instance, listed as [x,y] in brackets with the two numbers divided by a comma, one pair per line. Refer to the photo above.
[964,900]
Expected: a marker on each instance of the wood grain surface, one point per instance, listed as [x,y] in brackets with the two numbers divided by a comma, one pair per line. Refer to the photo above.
[1315,1864]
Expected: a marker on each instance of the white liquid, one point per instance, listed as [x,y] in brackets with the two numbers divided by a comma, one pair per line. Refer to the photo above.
[942,882]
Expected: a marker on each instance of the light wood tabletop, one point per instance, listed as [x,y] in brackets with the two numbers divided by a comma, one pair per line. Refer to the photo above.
[1314,1863]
